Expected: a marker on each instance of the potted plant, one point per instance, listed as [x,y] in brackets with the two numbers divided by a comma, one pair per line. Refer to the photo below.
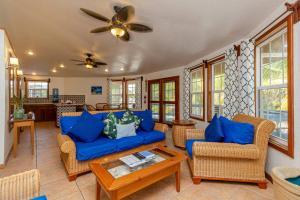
[18,107]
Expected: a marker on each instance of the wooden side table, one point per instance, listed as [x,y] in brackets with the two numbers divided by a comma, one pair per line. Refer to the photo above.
[19,123]
[179,133]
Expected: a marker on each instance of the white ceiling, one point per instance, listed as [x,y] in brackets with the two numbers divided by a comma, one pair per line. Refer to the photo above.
[56,30]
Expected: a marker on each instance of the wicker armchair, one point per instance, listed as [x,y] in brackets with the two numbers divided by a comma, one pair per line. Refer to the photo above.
[22,186]
[75,167]
[232,162]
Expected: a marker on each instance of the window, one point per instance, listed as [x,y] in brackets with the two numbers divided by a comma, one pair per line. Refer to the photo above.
[215,95]
[274,83]
[116,93]
[163,99]
[197,93]
[37,88]
[125,93]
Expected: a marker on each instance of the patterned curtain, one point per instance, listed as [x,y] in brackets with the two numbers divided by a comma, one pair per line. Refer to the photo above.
[109,82]
[239,81]
[138,93]
[246,66]
[231,89]
[186,93]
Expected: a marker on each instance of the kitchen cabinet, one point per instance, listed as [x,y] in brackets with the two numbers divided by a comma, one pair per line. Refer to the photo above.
[43,112]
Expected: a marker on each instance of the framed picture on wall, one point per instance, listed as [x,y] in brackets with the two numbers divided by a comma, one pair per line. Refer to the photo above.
[96,90]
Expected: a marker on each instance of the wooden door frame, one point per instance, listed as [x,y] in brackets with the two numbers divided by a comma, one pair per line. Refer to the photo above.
[161,101]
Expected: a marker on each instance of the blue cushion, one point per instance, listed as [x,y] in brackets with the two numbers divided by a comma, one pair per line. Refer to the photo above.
[294,180]
[189,146]
[236,132]
[152,136]
[87,128]
[129,142]
[67,122]
[100,147]
[40,198]
[147,123]
[213,132]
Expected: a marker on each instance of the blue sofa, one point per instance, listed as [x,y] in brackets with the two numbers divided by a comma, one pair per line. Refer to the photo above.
[76,154]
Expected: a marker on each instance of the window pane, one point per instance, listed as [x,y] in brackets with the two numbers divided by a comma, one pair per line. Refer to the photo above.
[218,95]
[169,91]
[155,110]
[196,93]
[274,106]
[169,112]
[155,92]
[37,89]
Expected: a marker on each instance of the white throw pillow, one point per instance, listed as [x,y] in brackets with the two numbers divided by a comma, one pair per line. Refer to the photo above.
[125,130]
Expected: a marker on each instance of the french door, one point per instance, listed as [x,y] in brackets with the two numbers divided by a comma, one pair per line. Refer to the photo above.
[163,99]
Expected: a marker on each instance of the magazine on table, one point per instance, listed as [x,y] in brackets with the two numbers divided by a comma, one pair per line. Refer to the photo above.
[138,158]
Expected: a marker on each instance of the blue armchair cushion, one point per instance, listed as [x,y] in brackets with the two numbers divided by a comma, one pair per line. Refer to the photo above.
[213,132]
[236,132]
[147,122]
[40,198]
[87,128]
[189,146]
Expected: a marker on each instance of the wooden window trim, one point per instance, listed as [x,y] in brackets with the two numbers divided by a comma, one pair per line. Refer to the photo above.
[26,80]
[204,85]
[209,65]
[285,23]
[161,97]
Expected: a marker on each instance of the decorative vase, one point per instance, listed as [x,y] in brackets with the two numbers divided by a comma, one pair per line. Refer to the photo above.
[19,113]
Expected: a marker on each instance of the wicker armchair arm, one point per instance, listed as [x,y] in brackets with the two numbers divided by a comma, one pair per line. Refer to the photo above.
[225,150]
[161,127]
[25,185]
[195,134]
[66,144]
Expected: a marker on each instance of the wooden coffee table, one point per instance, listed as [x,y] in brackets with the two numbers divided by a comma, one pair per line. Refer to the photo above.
[117,180]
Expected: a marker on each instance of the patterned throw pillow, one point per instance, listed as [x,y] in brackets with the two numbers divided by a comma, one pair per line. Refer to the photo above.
[129,117]
[110,128]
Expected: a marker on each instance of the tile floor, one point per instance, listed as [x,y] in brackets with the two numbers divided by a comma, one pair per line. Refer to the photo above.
[56,186]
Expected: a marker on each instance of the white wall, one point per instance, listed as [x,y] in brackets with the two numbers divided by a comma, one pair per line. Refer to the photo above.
[6,137]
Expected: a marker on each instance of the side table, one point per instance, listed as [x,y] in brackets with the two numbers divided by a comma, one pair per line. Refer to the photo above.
[19,123]
[179,131]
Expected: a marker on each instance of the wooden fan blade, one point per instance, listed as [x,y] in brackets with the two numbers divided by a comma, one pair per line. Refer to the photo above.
[95,15]
[125,14]
[138,27]
[101,29]
[77,60]
[80,64]
[100,63]
[126,36]
[117,8]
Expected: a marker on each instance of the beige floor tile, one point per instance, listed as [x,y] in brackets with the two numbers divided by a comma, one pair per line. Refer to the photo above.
[59,189]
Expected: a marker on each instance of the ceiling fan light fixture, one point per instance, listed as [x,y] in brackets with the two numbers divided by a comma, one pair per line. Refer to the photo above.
[117,31]
[89,66]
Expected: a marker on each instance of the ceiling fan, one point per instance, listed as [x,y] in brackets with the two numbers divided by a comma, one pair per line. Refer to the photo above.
[89,61]
[118,25]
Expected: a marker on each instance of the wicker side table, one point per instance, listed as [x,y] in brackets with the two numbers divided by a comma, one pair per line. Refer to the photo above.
[179,133]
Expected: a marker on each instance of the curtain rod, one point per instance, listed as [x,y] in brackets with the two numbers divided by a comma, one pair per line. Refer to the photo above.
[275,20]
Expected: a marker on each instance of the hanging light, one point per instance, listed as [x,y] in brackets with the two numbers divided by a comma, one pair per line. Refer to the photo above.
[89,66]
[19,72]
[117,31]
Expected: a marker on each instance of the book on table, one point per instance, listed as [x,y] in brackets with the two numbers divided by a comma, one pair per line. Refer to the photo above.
[137,159]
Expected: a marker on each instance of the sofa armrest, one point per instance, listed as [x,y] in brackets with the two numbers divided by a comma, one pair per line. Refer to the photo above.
[195,134]
[25,185]
[161,127]
[225,150]
[66,144]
